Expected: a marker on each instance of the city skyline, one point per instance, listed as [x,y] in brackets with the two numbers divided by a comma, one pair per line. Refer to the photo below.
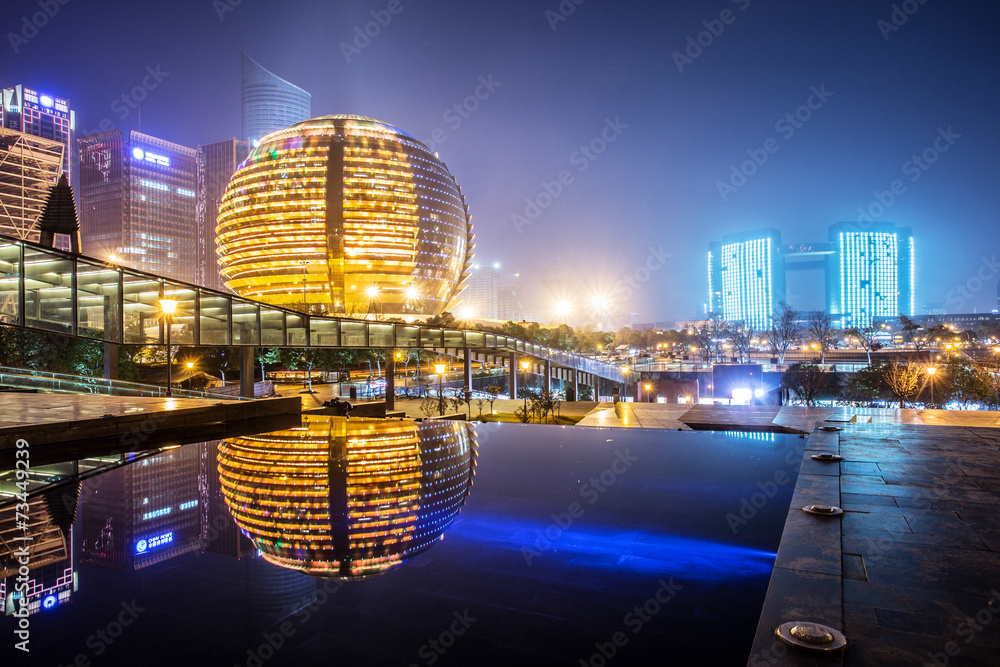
[648,128]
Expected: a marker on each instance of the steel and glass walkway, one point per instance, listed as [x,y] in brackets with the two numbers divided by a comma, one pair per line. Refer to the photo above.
[73,295]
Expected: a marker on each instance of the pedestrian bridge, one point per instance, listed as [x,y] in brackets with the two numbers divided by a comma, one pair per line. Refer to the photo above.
[67,294]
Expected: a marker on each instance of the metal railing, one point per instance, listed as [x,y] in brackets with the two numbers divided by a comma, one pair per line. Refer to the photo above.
[21,378]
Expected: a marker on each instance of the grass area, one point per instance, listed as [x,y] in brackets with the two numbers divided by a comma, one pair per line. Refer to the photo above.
[509,418]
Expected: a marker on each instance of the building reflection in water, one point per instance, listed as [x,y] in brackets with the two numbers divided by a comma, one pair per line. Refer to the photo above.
[348,499]
[49,544]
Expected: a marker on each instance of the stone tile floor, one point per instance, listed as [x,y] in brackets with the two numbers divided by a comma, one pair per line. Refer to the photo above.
[919,547]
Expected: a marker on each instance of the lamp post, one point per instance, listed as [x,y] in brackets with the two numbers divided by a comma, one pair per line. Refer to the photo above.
[930,372]
[648,386]
[440,368]
[625,370]
[169,307]
[525,365]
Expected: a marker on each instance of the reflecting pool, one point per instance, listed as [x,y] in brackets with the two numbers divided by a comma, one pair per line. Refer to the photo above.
[393,542]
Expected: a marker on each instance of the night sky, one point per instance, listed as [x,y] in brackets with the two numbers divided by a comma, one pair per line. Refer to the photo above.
[680,124]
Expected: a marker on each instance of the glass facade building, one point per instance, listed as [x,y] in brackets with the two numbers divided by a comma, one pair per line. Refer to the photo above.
[345,214]
[269,102]
[746,277]
[137,200]
[482,296]
[29,167]
[216,164]
[40,114]
[348,499]
[871,274]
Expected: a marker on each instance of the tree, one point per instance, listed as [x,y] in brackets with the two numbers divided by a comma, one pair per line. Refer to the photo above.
[903,379]
[822,330]
[710,335]
[741,334]
[429,405]
[866,387]
[806,381]
[963,384]
[784,330]
[586,393]
[492,392]
[480,404]
[866,338]
[988,370]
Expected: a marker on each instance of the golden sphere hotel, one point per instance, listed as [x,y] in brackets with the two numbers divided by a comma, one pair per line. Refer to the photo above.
[345,215]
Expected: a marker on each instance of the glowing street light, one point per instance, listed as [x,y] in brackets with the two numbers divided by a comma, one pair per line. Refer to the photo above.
[931,372]
[169,307]
[525,365]
[648,386]
[114,258]
[440,368]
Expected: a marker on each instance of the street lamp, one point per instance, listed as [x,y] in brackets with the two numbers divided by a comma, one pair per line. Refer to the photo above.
[525,365]
[648,386]
[440,368]
[931,372]
[169,307]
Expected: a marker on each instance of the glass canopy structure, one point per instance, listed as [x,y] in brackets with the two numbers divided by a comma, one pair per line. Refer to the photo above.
[50,290]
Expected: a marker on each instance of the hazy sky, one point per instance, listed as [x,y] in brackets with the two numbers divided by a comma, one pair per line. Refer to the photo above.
[673,125]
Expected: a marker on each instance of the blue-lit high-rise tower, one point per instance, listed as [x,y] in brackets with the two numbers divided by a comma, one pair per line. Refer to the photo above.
[871,272]
[746,277]
[269,102]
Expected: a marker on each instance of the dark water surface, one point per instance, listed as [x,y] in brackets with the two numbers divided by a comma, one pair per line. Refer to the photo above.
[411,545]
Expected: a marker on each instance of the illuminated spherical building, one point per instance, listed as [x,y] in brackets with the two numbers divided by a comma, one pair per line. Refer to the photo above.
[345,214]
[347,499]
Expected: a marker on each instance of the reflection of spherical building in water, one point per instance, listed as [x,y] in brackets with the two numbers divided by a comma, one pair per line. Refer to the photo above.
[345,214]
[346,498]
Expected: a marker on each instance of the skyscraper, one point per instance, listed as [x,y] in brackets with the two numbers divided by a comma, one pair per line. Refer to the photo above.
[137,201]
[42,115]
[216,164]
[481,296]
[871,273]
[746,277]
[269,102]
[29,167]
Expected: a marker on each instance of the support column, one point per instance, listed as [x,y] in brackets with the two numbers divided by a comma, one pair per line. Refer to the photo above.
[576,385]
[467,369]
[390,379]
[513,375]
[110,361]
[246,372]
[547,382]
